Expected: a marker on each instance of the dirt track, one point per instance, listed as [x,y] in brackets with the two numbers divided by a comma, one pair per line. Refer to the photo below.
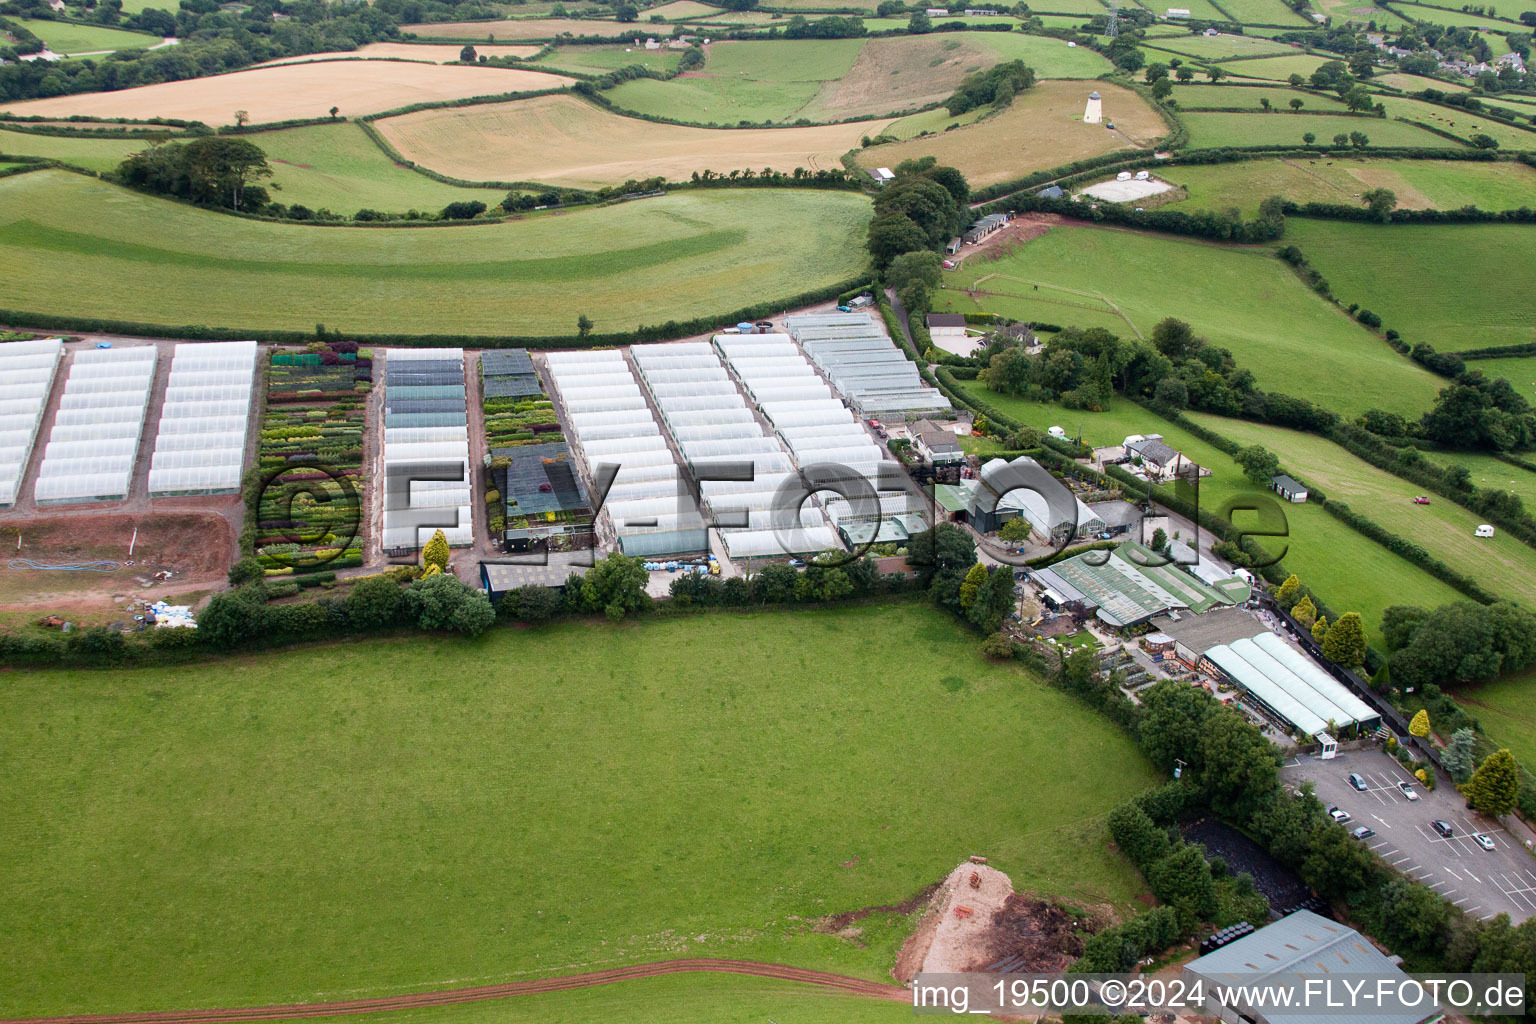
[450,997]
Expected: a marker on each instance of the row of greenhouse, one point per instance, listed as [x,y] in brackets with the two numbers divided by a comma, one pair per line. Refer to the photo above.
[635,475]
[426,449]
[94,444]
[27,369]
[204,420]
[864,365]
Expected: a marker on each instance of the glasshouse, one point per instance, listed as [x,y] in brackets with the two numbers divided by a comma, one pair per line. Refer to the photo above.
[719,436]
[864,364]
[647,502]
[26,378]
[426,449]
[95,440]
[200,447]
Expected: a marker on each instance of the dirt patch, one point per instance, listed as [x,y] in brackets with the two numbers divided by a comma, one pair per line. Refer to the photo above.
[290,163]
[1026,227]
[976,922]
[839,922]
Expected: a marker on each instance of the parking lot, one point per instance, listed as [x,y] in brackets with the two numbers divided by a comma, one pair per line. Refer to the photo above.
[1481,882]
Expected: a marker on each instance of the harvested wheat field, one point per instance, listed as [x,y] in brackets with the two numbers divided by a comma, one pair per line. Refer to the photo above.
[295,91]
[525,28]
[432,53]
[1042,128]
[898,73]
[565,140]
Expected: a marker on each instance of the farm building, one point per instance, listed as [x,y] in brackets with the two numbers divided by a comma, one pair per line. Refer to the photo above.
[1052,192]
[200,446]
[984,228]
[1298,949]
[1094,112]
[1288,489]
[953,246]
[426,449]
[745,477]
[1288,685]
[1126,586]
[644,494]
[1025,488]
[94,444]
[1117,516]
[27,370]
[864,365]
[940,447]
[882,175]
[1180,13]
[946,325]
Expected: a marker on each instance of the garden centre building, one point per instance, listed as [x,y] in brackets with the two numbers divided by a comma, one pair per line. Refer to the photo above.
[1289,686]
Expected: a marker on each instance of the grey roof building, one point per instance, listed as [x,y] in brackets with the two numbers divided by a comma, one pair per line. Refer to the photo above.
[1308,946]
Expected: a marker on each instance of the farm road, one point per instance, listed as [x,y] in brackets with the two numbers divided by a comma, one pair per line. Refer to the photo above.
[450,997]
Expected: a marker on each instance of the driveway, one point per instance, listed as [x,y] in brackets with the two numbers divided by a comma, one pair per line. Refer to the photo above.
[1481,882]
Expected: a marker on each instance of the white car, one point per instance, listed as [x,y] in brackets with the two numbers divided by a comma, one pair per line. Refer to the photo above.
[1408,791]
[1338,815]
[1484,841]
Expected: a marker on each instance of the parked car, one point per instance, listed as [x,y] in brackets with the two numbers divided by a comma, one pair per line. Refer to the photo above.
[1338,814]
[1442,827]
[1408,791]
[1486,842]
[1422,499]
[948,264]
[1358,782]
[1363,832]
[845,309]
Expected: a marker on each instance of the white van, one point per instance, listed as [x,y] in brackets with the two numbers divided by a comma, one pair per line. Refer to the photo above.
[1484,531]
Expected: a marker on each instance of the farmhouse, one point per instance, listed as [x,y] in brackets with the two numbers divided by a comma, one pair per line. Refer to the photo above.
[937,445]
[1159,461]
[1126,586]
[1288,489]
[1298,948]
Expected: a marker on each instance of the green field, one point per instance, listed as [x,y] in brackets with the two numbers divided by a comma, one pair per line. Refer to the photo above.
[329,166]
[1520,371]
[1418,184]
[1457,122]
[1277,69]
[1506,711]
[936,120]
[824,80]
[1212,131]
[156,261]
[1264,12]
[1403,273]
[1352,573]
[1503,565]
[73,37]
[1204,94]
[1491,28]
[1217,47]
[1491,472]
[602,59]
[393,816]
[1240,299]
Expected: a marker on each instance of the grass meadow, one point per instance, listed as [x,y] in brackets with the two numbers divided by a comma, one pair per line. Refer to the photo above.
[1351,572]
[1042,128]
[1223,46]
[156,261]
[521,29]
[598,60]
[399,815]
[73,37]
[1491,472]
[1502,564]
[1275,69]
[1241,299]
[1215,130]
[1416,277]
[1520,371]
[1192,95]
[1264,12]
[1457,122]
[1506,711]
[1418,184]
[584,145]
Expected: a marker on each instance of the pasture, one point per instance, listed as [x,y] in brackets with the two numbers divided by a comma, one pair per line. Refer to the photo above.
[1418,184]
[1275,69]
[1506,711]
[1225,45]
[1520,371]
[598,60]
[1241,299]
[293,91]
[1502,564]
[1458,122]
[834,79]
[1491,472]
[161,262]
[74,37]
[1264,12]
[1192,95]
[1042,128]
[515,30]
[1416,278]
[1215,130]
[1361,12]
[584,145]
[1351,572]
[433,53]
[388,816]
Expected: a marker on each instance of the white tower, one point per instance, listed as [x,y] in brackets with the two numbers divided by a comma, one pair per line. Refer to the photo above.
[1095,112]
